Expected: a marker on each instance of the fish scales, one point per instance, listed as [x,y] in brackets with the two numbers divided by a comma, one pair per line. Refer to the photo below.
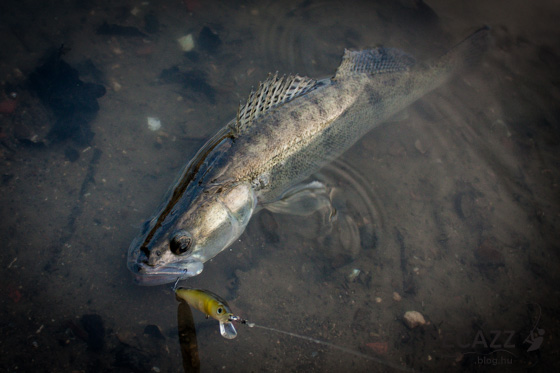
[287,134]
[315,129]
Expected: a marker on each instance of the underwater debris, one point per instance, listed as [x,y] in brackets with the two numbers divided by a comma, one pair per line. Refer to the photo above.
[209,40]
[412,319]
[154,123]
[93,325]
[195,81]
[186,42]
[72,101]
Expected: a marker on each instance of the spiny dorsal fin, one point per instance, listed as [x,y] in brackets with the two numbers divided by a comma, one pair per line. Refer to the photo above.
[273,92]
[373,61]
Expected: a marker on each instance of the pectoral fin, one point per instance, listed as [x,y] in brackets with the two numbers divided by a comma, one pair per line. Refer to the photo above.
[304,200]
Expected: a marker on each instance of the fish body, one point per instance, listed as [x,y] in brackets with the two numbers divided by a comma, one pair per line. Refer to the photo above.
[288,129]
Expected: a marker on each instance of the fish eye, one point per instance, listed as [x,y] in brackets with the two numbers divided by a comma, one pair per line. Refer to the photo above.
[180,243]
[219,310]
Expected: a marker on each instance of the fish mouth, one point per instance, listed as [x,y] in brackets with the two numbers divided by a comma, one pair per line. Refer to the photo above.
[146,275]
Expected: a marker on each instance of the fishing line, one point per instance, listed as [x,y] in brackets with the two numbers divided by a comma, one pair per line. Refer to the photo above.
[212,305]
[325,343]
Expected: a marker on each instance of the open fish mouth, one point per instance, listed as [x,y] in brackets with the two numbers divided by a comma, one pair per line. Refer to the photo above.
[147,275]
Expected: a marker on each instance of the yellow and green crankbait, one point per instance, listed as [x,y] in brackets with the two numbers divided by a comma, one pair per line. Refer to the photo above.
[211,305]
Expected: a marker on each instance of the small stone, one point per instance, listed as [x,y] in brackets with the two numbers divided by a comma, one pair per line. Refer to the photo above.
[380,348]
[135,11]
[154,124]
[378,300]
[353,275]
[186,42]
[397,297]
[412,319]
[116,86]
[421,148]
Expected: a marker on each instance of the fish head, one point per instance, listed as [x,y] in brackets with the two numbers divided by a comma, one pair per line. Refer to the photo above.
[182,242]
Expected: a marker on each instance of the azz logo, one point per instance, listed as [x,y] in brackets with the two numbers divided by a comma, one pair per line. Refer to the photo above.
[498,339]
[491,345]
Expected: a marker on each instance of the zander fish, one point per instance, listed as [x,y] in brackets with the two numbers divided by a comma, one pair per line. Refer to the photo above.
[289,128]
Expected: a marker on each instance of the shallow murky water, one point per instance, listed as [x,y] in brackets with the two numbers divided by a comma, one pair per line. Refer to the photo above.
[451,212]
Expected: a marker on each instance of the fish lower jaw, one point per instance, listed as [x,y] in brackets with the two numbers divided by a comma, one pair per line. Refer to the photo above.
[159,275]
[154,280]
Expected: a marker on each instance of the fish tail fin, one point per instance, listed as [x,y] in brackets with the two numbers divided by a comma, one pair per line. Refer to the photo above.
[468,52]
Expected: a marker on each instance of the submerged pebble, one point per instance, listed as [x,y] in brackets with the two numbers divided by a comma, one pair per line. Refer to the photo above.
[186,42]
[116,85]
[154,124]
[353,275]
[420,147]
[412,319]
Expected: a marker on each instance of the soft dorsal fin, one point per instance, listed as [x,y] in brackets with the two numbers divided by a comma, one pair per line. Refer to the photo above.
[273,92]
[373,61]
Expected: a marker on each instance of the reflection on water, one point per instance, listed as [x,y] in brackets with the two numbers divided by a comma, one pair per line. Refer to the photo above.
[451,212]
